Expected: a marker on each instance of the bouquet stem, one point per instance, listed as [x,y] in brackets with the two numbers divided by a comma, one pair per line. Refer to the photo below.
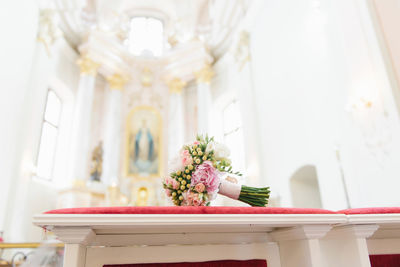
[256,197]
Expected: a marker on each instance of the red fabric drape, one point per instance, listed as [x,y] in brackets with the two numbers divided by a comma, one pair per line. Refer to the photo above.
[225,263]
[390,260]
[371,210]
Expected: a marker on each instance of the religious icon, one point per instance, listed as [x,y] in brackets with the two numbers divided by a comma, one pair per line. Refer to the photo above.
[97,163]
[143,143]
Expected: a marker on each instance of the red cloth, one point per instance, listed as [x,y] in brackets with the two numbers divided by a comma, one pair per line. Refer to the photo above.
[376,210]
[226,263]
[189,210]
[390,260]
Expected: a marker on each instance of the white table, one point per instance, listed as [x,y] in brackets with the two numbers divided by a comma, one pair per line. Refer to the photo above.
[284,240]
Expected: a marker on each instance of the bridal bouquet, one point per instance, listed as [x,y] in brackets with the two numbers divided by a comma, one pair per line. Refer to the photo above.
[198,174]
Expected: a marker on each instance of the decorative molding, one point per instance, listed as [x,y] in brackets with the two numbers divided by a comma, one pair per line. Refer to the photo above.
[358,231]
[75,235]
[374,218]
[205,74]
[117,81]
[301,232]
[147,77]
[87,66]
[48,31]
[180,220]
[176,85]
[161,239]
[242,53]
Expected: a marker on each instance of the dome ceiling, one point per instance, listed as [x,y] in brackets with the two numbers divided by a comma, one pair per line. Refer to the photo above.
[211,22]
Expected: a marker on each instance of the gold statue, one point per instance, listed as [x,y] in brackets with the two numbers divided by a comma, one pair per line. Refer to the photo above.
[97,163]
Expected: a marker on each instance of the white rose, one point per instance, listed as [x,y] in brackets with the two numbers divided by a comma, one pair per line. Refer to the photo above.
[221,151]
[210,147]
[176,164]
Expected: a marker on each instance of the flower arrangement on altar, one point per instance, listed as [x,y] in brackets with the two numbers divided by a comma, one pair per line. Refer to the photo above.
[198,174]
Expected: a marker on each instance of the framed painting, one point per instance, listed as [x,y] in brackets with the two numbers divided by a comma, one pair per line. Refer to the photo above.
[143,149]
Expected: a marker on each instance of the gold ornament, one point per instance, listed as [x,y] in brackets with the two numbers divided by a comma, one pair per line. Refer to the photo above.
[143,196]
[205,74]
[87,66]
[117,81]
[176,85]
[242,53]
[147,77]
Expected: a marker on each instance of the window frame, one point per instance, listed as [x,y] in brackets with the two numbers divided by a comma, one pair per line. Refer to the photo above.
[57,127]
[146,17]
[233,130]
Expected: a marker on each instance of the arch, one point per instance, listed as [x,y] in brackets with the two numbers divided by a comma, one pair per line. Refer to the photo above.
[304,188]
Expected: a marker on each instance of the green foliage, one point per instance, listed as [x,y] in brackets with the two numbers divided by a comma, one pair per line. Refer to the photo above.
[256,197]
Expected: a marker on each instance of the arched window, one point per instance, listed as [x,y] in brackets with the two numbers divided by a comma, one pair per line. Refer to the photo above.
[233,133]
[305,189]
[146,34]
[49,136]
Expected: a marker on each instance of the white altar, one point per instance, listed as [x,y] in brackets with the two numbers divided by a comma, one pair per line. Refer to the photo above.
[284,240]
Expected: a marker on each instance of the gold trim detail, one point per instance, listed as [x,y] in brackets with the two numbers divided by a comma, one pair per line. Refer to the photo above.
[147,77]
[79,183]
[242,53]
[87,66]
[176,85]
[117,81]
[205,74]
[29,245]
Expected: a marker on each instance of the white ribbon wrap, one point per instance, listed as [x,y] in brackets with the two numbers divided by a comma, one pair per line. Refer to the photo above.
[229,189]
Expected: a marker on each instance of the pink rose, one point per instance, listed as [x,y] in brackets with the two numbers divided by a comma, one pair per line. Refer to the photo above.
[196,143]
[186,158]
[168,192]
[168,180]
[207,175]
[189,197]
[200,187]
[197,202]
[175,184]
[192,199]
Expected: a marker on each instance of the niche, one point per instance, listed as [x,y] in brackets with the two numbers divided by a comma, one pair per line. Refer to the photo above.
[305,189]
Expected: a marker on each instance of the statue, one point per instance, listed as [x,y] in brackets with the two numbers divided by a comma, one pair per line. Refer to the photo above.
[97,163]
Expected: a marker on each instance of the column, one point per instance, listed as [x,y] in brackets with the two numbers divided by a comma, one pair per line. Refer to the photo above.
[76,240]
[346,246]
[82,120]
[113,130]
[203,78]
[300,246]
[175,116]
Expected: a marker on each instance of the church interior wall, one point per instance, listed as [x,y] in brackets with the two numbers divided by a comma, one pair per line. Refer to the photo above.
[316,86]
[386,19]
[305,68]
[25,86]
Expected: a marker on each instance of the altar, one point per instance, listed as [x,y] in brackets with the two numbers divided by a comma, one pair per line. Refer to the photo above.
[282,237]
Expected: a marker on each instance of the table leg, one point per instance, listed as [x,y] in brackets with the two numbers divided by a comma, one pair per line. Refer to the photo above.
[74,255]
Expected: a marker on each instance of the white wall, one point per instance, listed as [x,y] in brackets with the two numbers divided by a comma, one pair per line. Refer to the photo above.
[315,92]
[304,188]
[27,71]
[321,87]
[387,21]
[18,27]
